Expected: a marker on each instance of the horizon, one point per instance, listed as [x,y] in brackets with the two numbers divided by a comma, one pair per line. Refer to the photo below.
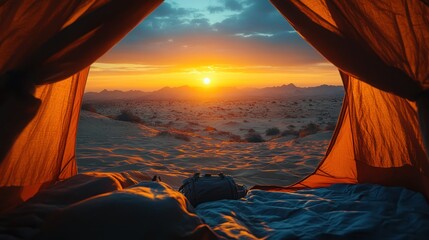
[234,43]
[211,88]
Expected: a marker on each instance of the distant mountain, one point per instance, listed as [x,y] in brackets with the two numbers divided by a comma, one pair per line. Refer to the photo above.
[113,95]
[188,93]
[183,92]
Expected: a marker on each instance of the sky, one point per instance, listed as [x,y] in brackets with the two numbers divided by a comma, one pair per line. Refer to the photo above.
[234,43]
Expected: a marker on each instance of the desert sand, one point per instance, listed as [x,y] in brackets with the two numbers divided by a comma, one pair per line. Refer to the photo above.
[175,139]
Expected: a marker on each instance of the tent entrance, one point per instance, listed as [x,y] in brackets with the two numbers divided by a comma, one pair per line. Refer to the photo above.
[381,49]
[223,123]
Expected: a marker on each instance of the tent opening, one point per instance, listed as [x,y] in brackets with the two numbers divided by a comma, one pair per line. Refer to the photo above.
[203,94]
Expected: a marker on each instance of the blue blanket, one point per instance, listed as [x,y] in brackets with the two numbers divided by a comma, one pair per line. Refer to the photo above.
[341,211]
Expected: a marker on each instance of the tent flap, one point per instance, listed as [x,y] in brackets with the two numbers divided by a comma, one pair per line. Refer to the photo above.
[46,48]
[382,48]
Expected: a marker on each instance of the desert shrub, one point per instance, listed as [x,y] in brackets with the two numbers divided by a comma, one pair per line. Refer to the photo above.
[289,132]
[127,116]
[272,131]
[254,137]
[231,123]
[193,124]
[182,137]
[189,129]
[89,107]
[309,129]
[176,135]
[251,130]
[164,134]
[234,138]
[210,129]
[223,133]
[330,126]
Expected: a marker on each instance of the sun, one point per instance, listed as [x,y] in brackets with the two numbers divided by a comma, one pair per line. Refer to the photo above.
[206,81]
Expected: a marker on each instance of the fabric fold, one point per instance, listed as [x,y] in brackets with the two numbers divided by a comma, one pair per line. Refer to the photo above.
[382,48]
[46,48]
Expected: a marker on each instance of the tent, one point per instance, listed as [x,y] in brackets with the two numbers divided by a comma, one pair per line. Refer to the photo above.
[381,49]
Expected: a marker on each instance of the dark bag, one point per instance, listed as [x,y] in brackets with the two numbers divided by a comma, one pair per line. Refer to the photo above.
[209,187]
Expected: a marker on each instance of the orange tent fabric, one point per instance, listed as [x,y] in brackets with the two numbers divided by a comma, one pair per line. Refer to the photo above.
[45,50]
[382,49]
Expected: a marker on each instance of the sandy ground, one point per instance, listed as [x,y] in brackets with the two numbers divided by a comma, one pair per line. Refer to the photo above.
[177,138]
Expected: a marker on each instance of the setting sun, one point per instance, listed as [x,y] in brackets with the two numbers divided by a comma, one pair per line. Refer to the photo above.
[206,81]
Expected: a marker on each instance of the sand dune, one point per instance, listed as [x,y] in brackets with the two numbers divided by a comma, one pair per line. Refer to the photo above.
[189,137]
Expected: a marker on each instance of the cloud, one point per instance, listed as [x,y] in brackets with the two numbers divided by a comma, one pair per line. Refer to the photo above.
[126,67]
[233,5]
[226,5]
[215,9]
[251,31]
[256,34]
[167,10]
[168,21]
[250,17]
[257,16]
